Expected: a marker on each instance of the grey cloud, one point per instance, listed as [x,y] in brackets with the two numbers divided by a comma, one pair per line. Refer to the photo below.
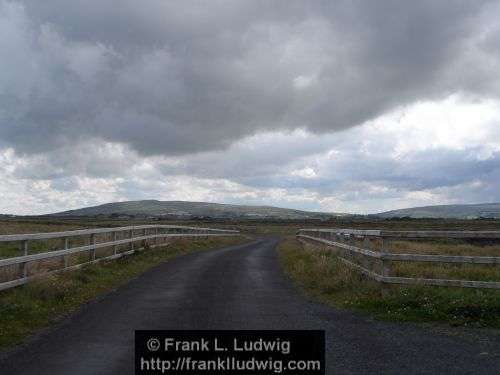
[92,159]
[178,78]
[65,184]
[353,170]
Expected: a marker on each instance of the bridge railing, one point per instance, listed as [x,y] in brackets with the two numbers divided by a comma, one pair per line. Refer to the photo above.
[356,249]
[24,257]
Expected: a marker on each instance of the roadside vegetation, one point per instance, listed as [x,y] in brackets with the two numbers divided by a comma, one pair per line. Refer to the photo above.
[319,273]
[40,303]
[456,247]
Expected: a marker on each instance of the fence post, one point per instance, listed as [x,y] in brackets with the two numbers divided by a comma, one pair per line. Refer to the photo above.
[92,250]
[131,241]
[24,266]
[352,242]
[345,241]
[367,262]
[366,242]
[115,247]
[156,236]
[386,265]
[65,257]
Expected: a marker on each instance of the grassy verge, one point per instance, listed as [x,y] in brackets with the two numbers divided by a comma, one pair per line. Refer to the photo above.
[320,274]
[40,303]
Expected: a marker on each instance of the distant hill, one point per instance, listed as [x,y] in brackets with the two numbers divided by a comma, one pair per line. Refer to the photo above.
[455,211]
[183,209]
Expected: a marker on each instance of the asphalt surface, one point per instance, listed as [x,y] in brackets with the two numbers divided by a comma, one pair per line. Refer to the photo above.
[239,287]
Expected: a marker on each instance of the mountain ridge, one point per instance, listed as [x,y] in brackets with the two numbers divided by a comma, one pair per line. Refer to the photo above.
[157,208]
[188,209]
[447,211]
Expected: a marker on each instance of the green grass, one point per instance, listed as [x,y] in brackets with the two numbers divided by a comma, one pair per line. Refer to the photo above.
[36,226]
[28,308]
[320,274]
[12,249]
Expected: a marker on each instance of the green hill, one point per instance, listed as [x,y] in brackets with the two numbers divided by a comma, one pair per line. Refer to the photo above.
[455,211]
[192,209]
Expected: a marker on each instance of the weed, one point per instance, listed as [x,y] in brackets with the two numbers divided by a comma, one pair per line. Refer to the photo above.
[319,273]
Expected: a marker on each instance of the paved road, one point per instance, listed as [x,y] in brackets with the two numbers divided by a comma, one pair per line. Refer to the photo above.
[239,287]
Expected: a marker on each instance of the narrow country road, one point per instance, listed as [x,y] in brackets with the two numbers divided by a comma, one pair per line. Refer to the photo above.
[239,287]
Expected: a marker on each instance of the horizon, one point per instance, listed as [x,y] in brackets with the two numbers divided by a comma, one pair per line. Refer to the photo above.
[253,205]
[361,117]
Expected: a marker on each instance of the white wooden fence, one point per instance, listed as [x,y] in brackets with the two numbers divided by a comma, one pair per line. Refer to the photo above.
[89,241]
[363,258]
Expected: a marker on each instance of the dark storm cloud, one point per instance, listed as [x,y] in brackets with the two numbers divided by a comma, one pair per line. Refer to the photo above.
[180,77]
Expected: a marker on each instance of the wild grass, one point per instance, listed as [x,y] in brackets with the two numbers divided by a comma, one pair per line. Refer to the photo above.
[12,249]
[477,272]
[21,227]
[441,247]
[321,274]
[27,308]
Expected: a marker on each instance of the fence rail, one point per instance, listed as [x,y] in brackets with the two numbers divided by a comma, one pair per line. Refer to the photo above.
[150,236]
[344,241]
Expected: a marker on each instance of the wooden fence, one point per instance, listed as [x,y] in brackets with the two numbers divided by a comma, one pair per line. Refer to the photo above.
[87,243]
[377,264]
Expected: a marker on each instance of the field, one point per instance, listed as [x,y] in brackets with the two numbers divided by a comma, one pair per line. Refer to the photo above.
[320,274]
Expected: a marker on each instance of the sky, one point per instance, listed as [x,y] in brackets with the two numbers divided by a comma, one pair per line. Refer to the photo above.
[337,106]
